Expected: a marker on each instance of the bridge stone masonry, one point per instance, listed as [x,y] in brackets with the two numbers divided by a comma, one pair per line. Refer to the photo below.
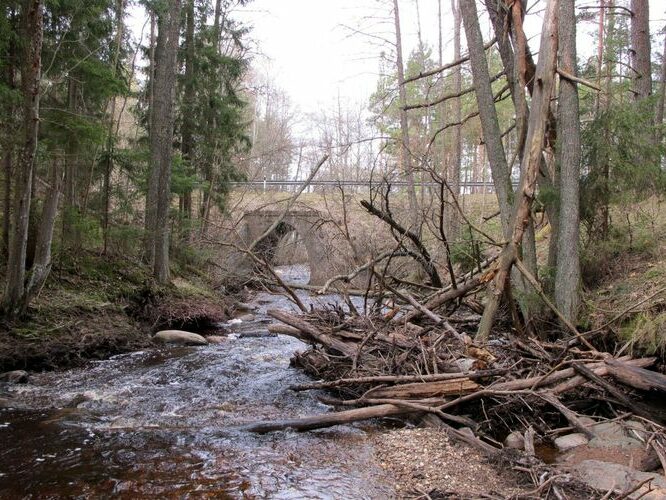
[306,223]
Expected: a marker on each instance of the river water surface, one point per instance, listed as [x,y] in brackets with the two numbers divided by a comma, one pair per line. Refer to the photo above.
[167,422]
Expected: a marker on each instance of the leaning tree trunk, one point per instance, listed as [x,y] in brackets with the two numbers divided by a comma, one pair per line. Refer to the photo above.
[492,135]
[30,77]
[567,273]
[405,152]
[640,49]
[162,132]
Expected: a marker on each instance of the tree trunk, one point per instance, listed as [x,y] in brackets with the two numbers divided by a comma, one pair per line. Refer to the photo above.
[405,152]
[30,78]
[492,135]
[71,233]
[161,135]
[567,274]
[536,138]
[453,174]
[153,180]
[42,265]
[659,115]
[7,202]
[187,144]
[519,69]
[8,134]
[640,49]
[110,140]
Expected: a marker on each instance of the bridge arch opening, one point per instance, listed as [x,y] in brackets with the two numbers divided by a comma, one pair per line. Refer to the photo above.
[307,224]
[285,246]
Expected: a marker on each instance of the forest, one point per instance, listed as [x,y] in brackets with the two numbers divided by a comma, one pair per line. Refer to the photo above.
[449,270]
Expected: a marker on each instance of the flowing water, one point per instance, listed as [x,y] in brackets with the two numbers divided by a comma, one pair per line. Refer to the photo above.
[167,422]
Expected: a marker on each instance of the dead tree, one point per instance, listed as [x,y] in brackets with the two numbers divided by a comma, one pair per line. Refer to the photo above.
[536,129]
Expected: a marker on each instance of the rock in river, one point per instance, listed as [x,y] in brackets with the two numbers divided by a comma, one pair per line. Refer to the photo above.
[14,377]
[570,441]
[179,337]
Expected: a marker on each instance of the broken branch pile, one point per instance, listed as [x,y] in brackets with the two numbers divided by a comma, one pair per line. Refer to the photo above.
[388,365]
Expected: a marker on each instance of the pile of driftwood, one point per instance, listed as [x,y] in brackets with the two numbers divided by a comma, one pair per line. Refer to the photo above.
[416,362]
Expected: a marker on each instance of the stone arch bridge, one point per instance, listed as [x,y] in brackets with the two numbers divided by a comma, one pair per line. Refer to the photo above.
[306,223]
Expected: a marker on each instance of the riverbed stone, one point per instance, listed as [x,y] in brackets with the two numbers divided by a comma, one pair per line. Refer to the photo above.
[15,377]
[515,440]
[604,476]
[215,339]
[247,317]
[570,441]
[609,430]
[179,337]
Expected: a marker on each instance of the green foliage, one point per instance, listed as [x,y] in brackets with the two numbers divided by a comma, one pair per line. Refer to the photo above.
[622,161]
[647,333]
[86,227]
[635,237]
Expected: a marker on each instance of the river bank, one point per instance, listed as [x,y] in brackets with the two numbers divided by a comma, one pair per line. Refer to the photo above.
[95,307]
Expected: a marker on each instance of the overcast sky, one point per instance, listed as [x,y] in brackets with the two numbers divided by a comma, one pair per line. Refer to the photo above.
[311,50]
[315,50]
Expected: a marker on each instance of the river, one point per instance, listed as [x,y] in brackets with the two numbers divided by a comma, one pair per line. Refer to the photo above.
[167,422]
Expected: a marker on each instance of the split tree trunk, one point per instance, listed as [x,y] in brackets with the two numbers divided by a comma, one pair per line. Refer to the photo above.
[536,130]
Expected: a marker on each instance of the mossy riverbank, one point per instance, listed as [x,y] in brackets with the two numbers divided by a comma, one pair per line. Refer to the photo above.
[93,307]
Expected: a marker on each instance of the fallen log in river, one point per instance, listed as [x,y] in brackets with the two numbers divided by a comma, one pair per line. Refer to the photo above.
[388,367]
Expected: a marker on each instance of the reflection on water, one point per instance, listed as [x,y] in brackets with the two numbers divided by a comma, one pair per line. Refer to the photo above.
[168,422]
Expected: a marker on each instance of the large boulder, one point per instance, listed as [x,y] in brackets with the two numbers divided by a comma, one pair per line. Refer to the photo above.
[180,337]
[605,476]
[621,450]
